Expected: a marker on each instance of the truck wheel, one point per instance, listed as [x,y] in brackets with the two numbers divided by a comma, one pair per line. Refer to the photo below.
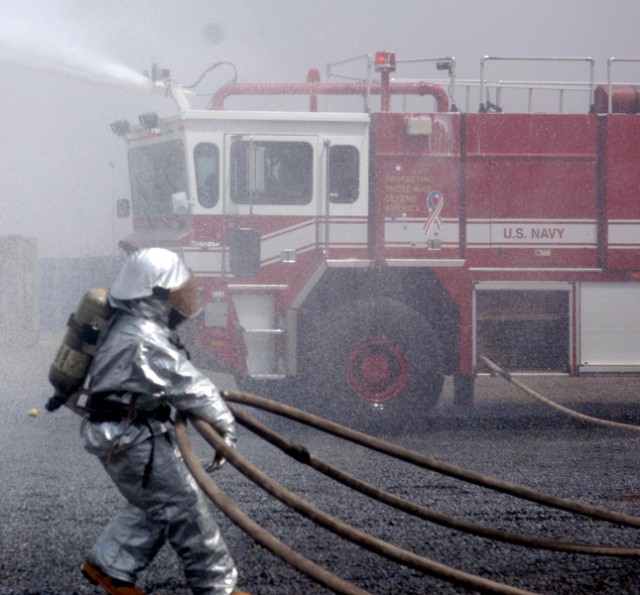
[378,361]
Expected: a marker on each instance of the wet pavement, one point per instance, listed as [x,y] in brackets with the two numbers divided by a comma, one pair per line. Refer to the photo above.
[56,498]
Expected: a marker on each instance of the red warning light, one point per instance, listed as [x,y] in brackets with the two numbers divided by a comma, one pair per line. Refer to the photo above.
[385,62]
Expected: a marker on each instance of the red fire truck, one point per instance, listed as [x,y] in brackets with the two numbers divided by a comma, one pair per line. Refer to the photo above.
[361,256]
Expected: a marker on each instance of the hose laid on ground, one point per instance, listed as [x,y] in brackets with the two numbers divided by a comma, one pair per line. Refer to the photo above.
[322,518]
[249,526]
[581,416]
[302,455]
[429,462]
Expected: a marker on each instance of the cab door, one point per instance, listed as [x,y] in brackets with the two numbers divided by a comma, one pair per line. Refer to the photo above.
[271,202]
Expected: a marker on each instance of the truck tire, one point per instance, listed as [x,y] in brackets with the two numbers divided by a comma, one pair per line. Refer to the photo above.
[374,361]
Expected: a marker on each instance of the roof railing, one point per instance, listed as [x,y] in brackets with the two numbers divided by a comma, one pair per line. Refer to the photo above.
[589,61]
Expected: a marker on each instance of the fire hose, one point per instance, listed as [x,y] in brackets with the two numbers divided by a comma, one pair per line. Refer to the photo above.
[430,463]
[318,516]
[235,514]
[495,369]
[342,529]
[302,455]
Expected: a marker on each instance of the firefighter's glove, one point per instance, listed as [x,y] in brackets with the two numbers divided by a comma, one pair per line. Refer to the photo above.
[219,460]
[55,402]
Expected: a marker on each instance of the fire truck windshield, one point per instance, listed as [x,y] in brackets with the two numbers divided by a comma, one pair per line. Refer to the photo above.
[158,177]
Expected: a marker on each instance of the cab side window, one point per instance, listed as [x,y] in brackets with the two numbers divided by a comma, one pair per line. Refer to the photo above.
[207,164]
[271,172]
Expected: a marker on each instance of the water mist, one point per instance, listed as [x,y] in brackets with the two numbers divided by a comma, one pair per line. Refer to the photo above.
[33,47]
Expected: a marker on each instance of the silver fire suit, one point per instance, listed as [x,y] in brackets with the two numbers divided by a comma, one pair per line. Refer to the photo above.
[140,369]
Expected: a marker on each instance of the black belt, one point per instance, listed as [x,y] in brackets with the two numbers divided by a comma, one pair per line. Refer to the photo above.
[101,410]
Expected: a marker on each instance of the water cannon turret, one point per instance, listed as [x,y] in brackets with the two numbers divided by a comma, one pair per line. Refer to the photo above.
[159,74]
[163,85]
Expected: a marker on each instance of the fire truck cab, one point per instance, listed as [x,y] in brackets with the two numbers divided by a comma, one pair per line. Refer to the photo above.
[357,258]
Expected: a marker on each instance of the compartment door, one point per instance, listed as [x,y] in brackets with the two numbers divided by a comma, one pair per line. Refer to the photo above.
[524,327]
[609,335]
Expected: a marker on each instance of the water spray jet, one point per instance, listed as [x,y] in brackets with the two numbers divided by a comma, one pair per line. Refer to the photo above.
[35,48]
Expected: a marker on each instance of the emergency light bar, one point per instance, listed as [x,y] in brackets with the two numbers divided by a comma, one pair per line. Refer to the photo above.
[385,62]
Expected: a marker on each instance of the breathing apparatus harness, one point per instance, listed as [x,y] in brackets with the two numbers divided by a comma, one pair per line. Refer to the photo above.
[101,409]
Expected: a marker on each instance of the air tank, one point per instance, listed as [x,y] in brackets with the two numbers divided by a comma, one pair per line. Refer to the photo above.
[86,330]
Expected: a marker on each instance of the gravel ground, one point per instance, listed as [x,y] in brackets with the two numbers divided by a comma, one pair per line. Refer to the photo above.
[56,498]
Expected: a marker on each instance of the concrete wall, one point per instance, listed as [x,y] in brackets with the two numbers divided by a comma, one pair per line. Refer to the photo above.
[38,295]
[19,308]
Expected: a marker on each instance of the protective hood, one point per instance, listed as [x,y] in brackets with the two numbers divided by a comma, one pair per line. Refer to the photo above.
[157,272]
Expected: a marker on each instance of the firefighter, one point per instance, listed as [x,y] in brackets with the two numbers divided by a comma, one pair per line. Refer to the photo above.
[139,373]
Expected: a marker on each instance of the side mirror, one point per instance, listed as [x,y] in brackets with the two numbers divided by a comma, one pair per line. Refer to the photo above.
[123,208]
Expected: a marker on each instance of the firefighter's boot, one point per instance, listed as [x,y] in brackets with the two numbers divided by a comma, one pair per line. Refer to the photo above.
[111,585]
